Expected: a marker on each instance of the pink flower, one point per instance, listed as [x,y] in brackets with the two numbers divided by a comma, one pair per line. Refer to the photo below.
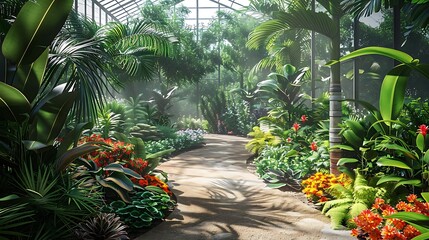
[289,140]
[304,118]
[296,126]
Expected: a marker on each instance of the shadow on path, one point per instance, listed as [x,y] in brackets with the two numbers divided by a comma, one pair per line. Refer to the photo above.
[219,199]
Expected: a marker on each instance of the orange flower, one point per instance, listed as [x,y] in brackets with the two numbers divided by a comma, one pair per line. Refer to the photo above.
[411,232]
[412,198]
[378,202]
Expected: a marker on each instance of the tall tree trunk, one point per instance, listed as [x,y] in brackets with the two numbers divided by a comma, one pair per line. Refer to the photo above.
[335,100]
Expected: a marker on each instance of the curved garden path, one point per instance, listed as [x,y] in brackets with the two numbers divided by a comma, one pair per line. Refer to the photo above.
[220,199]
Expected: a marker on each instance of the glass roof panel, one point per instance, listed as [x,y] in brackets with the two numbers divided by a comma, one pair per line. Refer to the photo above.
[123,10]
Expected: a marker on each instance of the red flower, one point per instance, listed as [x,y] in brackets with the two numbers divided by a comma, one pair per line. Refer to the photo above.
[313,146]
[289,140]
[296,126]
[304,118]
[423,129]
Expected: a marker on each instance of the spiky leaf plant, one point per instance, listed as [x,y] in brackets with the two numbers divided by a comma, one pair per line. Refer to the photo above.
[104,226]
[350,201]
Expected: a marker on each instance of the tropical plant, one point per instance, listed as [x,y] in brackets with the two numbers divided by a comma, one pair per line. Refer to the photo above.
[162,100]
[400,153]
[260,140]
[212,108]
[350,200]
[14,216]
[300,16]
[103,226]
[282,91]
[145,208]
[188,122]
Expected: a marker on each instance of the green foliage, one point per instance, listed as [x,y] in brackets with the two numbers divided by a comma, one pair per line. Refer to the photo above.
[384,141]
[145,208]
[260,140]
[42,21]
[212,108]
[14,216]
[237,118]
[282,91]
[184,139]
[103,226]
[350,200]
[56,199]
[191,123]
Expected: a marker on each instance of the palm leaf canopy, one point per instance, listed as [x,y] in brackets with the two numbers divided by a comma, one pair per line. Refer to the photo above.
[136,43]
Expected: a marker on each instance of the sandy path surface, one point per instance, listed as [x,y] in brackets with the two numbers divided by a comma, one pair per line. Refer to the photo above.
[218,198]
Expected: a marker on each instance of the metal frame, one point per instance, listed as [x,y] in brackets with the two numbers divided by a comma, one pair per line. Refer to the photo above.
[122,11]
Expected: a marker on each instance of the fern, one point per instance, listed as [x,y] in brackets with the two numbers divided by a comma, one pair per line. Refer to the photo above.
[329,205]
[338,216]
[351,201]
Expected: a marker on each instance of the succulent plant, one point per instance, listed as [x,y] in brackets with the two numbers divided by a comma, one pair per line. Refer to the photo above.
[104,226]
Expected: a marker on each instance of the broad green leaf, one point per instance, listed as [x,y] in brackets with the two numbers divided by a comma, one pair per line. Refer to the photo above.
[420,142]
[132,173]
[114,167]
[37,24]
[343,147]
[423,236]
[159,154]
[139,149]
[72,137]
[352,138]
[123,194]
[388,162]
[425,196]
[29,77]
[121,180]
[50,118]
[413,182]
[276,185]
[390,178]
[396,147]
[387,52]
[392,93]
[154,189]
[64,160]
[35,145]
[343,161]
[357,128]
[13,104]
[291,153]
[412,217]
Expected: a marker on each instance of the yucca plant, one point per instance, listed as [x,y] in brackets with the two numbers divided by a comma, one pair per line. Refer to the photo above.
[104,226]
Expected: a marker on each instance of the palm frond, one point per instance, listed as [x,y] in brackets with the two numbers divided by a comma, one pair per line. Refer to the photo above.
[83,66]
[309,20]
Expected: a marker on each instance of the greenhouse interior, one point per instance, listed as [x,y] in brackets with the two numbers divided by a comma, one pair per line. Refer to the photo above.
[214,119]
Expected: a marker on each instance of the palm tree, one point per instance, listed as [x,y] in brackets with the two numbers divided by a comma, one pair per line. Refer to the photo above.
[300,16]
[283,46]
[92,59]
